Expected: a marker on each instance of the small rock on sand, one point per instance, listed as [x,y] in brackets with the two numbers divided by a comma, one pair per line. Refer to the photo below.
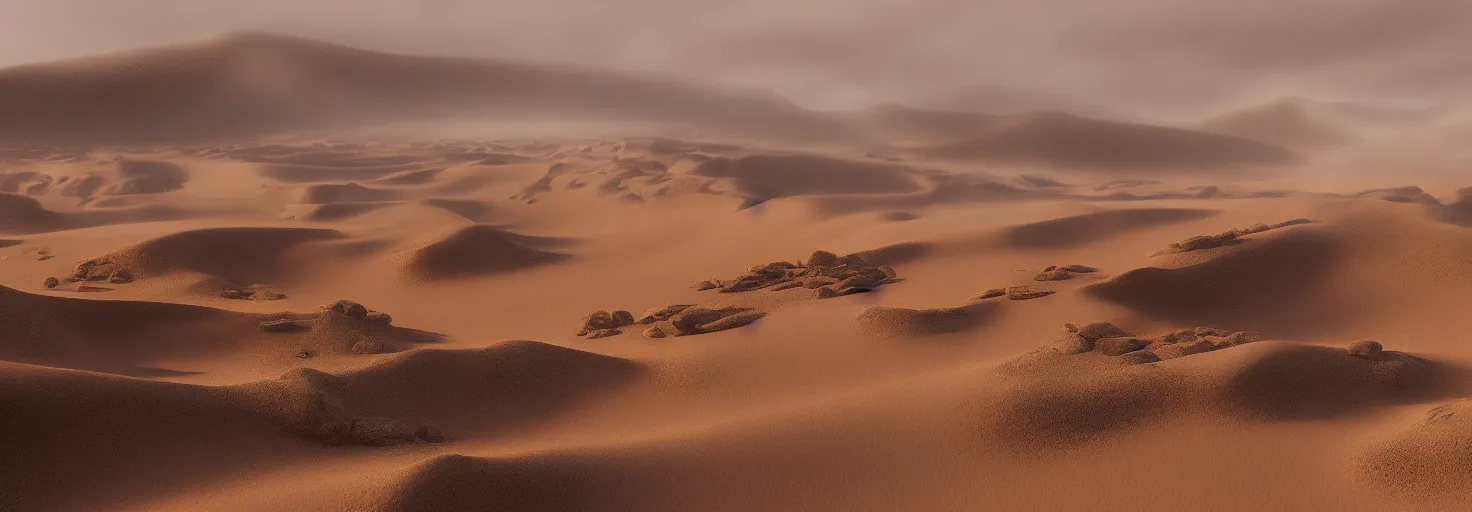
[51,282]
[1052,275]
[597,321]
[1070,328]
[380,431]
[994,292]
[603,333]
[1366,349]
[347,308]
[1025,293]
[733,321]
[1079,269]
[235,294]
[690,320]
[379,317]
[787,286]
[1100,330]
[1139,357]
[662,314]
[653,332]
[706,285]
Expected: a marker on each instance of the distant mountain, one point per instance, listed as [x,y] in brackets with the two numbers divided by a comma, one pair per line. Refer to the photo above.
[997,100]
[1307,124]
[1066,140]
[249,84]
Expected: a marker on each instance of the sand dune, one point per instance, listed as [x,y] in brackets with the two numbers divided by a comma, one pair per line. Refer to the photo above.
[474,250]
[1067,141]
[1011,311]
[348,193]
[25,215]
[1428,460]
[892,323]
[1287,123]
[1269,283]
[1083,229]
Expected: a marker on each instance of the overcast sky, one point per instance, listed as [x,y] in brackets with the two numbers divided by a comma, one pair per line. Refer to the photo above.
[826,53]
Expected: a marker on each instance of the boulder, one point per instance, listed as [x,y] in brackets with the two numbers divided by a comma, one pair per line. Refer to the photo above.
[1139,357]
[994,292]
[733,321]
[596,321]
[1366,349]
[347,308]
[653,332]
[380,431]
[661,314]
[1026,293]
[689,321]
[622,318]
[235,294]
[1052,275]
[822,259]
[51,282]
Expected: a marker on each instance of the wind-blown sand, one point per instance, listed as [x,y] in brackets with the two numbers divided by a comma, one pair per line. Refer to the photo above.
[940,311]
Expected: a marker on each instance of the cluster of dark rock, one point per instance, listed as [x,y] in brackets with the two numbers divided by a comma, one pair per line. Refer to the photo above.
[675,320]
[1366,349]
[826,272]
[1063,273]
[1107,339]
[343,317]
[252,292]
[1015,293]
[1197,243]
[377,432]
[92,271]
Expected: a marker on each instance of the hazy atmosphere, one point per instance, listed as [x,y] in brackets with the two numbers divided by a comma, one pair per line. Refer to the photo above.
[1170,55]
[678,256]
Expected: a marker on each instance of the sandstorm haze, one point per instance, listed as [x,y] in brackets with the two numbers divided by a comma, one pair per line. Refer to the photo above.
[748,256]
[1149,57]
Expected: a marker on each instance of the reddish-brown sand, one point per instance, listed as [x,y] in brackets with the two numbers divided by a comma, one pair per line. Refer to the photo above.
[949,352]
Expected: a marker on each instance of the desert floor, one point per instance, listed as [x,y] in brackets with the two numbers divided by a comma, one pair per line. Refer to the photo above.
[968,338]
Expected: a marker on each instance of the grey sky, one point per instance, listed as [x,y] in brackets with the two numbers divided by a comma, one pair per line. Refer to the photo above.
[1130,53]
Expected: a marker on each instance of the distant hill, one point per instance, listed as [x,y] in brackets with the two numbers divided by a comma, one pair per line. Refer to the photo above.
[254,83]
